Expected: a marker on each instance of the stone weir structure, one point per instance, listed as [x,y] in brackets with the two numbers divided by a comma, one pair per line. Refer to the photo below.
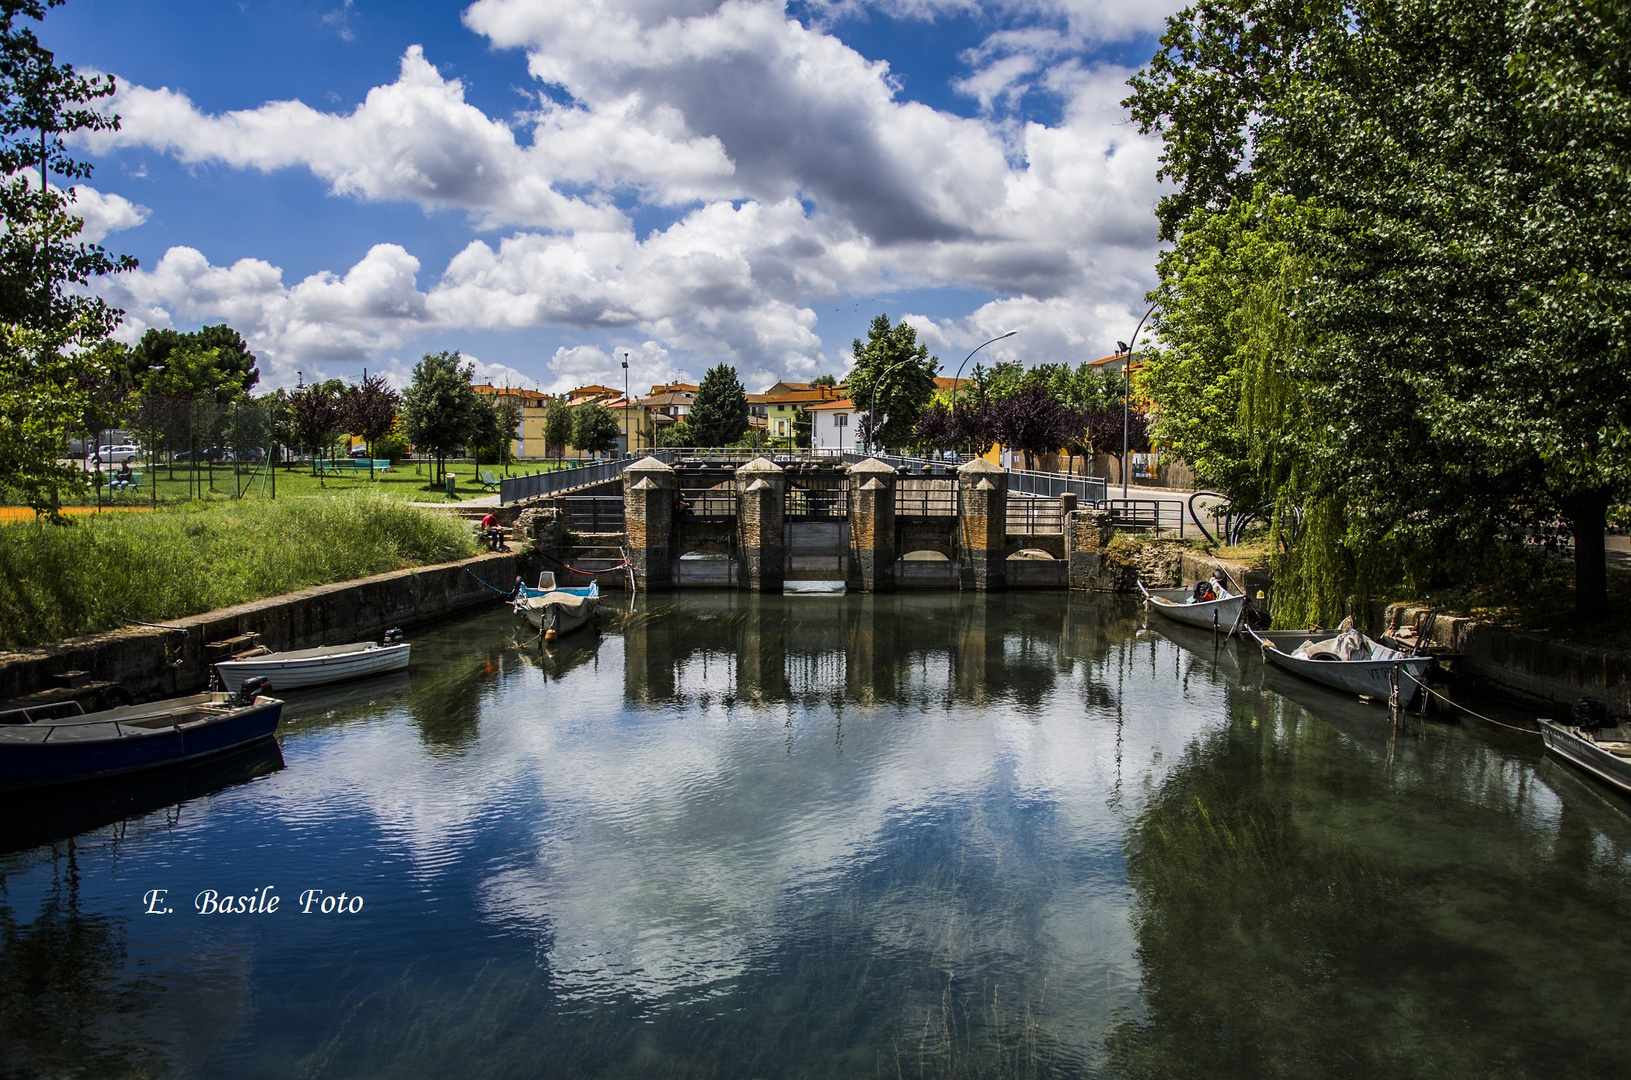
[760,526]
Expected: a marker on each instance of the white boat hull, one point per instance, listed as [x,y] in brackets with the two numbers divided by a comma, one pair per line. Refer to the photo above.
[1367,678]
[314,667]
[1171,603]
[1568,743]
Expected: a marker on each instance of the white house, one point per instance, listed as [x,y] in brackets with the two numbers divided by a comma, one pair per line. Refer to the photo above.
[833,425]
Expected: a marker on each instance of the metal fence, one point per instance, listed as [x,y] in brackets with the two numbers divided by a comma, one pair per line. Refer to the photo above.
[593,513]
[1036,517]
[519,488]
[1160,515]
[925,500]
[709,502]
[816,498]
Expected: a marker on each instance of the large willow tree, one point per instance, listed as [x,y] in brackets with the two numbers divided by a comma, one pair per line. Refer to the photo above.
[1394,311]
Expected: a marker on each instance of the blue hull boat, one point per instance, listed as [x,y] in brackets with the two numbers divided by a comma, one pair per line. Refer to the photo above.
[129,739]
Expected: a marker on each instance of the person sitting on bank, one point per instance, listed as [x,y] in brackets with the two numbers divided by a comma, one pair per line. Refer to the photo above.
[682,505]
[124,477]
[493,534]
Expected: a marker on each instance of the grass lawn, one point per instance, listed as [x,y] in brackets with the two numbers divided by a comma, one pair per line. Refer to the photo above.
[102,570]
[407,481]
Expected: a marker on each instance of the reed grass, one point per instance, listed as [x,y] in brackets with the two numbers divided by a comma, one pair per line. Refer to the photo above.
[102,571]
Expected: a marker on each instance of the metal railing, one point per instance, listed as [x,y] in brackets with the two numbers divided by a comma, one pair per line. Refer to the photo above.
[1160,515]
[592,513]
[709,502]
[816,497]
[1036,516]
[519,488]
[925,500]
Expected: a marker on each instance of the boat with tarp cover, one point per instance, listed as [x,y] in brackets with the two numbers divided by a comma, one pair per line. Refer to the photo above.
[115,742]
[1346,659]
[556,609]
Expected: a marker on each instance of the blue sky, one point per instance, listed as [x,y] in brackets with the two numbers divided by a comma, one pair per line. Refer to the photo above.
[546,185]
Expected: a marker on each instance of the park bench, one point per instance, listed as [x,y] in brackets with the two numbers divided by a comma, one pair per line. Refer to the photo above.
[135,483]
[341,466]
[489,480]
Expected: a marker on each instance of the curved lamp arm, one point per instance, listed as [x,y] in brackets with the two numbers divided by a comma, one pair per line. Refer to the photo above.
[958,378]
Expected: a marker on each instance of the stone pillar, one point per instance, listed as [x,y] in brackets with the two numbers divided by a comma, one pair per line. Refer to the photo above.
[760,514]
[1067,505]
[982,495]
[648,516]
[872,551]
[1087,533]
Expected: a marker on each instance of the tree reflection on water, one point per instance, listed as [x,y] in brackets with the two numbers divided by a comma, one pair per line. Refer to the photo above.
[1299,916]
[62,988]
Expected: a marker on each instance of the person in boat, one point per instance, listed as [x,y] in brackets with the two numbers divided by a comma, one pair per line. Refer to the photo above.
[1205,591]
[493,534]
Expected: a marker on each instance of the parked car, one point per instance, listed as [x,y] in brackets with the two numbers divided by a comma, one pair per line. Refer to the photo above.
[116,454]
[359,451]
[210,453]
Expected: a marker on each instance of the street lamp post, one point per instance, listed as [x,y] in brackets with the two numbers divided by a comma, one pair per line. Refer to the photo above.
[628,432]
[958,378]
[1127,392]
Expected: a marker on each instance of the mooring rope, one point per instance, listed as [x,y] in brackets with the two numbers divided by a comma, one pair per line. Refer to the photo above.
[1463,708]
[506,593]
[576,570]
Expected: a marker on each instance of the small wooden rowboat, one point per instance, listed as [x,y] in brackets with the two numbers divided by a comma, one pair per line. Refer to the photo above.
[556,609]
[313,667]
[114,742]
[1608,760]
[1180,606]
[1359,665]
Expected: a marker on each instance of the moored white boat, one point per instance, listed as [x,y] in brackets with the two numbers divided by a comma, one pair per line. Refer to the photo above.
[1180,605]
[1358,665]
[1608,760]
[314,667]
[559,610]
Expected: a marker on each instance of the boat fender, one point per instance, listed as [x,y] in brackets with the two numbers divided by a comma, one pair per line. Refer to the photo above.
[1589,714]
[250,689]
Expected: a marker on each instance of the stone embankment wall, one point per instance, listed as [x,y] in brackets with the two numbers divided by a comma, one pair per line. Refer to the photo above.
[153,662]
[1534,666]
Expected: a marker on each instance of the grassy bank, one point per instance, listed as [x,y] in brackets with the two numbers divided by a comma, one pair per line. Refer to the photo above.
[102,570]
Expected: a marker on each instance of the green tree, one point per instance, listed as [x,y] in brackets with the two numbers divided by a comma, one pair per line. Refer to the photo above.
[234,363]
[507,420]
[439,406]
[51,328]
[558,425]
[893,377]
[1427,242]
[677,434]
[594,428]
[719,412]
[823,380]
[370,409]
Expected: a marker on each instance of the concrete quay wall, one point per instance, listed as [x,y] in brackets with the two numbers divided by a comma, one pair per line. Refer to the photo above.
[152,662]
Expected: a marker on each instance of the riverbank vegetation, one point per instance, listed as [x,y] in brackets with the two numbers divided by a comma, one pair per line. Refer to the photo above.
[104,571]
[1392,319]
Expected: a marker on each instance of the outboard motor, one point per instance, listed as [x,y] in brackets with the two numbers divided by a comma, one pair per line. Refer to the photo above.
[1590,715]
[251,689]
[393,636]
[520,587]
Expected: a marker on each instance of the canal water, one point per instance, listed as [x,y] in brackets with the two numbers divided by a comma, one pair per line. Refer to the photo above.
[914,835]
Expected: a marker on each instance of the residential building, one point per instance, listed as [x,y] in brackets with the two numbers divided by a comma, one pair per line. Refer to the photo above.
[784,403]
[529,436]
[833,425]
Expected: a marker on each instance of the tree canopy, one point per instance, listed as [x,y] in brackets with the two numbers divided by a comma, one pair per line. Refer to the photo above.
[1394,309]
[53,356]
[893,377]
[594,428]
[719,412]
[439,406]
